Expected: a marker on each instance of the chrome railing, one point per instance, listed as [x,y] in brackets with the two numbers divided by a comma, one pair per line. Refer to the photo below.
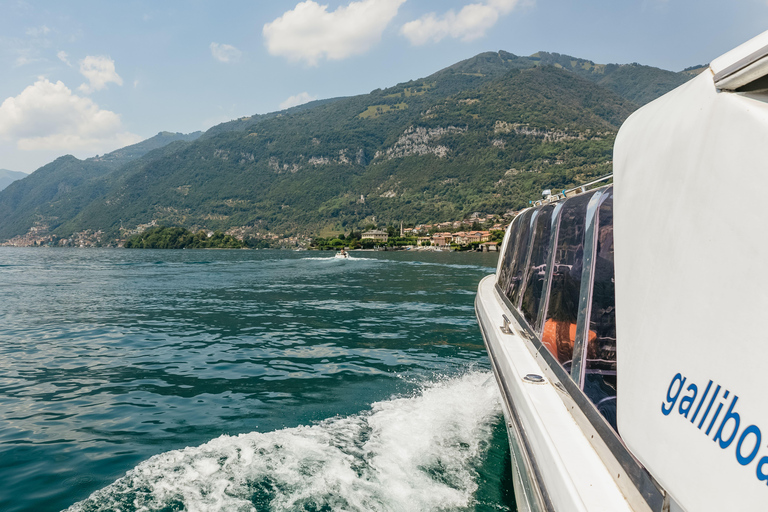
[580,189]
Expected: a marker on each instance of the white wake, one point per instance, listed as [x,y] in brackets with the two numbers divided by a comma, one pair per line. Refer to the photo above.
[417,453]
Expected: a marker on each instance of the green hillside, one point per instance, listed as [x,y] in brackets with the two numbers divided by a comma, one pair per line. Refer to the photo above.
[58,191]
[486,134]
[128,153]
[635,82]
[7,177]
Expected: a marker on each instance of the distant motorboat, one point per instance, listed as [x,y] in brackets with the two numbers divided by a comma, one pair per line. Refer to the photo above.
[342,255]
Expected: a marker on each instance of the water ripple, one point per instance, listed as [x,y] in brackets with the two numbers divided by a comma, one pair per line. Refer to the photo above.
[111,357]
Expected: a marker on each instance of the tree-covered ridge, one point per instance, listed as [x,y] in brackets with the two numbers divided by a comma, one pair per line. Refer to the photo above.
[128,153]
[7,177]
[635,82]
[486,134]
[58,191]
[161,237]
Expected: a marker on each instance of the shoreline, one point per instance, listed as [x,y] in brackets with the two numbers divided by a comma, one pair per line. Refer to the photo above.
[290,249]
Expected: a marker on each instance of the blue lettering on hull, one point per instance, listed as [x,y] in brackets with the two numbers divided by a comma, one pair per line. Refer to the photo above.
[747,440]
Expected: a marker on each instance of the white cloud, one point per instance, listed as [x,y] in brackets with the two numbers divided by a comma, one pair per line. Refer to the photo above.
[470,23]
[100,71]
[299,99]
[28,50]
[503,6]
[310,32]
[225,52]
[24,58]
[37,31]
[48,116]
[63,57]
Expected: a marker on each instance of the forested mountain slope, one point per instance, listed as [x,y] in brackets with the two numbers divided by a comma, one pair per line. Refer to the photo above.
[59,190]
[7,177]
[486,134]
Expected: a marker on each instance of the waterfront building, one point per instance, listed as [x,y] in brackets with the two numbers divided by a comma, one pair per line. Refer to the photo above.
[442,239]
[376,235]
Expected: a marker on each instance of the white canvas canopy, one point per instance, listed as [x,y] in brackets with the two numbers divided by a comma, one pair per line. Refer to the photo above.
[690,170]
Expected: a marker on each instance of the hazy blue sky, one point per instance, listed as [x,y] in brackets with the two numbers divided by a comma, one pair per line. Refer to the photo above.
[87,77]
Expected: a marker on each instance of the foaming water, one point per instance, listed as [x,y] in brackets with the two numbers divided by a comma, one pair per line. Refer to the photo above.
[342,260]
[417,453]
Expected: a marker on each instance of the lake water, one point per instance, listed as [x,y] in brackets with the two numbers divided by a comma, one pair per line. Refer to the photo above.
[246,380]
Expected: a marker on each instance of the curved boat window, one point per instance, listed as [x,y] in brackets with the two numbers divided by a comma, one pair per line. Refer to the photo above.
[559,331]
[519,259]
[536,271]
[600,375]
[509,254]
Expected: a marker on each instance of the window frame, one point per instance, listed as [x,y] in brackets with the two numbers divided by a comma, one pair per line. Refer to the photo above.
[547,260]
[578,366]
[524,263]
[510,249]
[553,237]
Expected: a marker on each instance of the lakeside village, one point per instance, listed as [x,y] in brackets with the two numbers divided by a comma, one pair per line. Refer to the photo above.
[476,234]
[479,232]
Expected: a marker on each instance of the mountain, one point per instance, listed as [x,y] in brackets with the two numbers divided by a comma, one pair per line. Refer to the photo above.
[7,177]
[247,122]
[485,134]
[635,82]
[128,153]
[59,190]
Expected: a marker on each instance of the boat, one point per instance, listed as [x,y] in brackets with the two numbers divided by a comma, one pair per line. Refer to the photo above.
[342,255]
[623,320]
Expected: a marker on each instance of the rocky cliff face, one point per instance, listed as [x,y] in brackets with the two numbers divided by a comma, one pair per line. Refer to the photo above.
[421,141]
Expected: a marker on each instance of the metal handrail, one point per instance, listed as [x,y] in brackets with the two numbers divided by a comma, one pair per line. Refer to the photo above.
[564,194]
[584,186]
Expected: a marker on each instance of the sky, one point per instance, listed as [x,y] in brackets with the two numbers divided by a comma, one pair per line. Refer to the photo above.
[88,77]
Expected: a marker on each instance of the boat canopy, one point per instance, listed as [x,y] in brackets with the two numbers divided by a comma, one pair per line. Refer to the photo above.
[742,66]
[691,294]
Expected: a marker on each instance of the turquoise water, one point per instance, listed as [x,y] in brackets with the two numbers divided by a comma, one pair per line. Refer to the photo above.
[246,380]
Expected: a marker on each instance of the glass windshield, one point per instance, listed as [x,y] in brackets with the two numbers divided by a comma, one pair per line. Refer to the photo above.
[559,330]
[600,377]
[521,257]
[509,252]
[518,249]
[537,271]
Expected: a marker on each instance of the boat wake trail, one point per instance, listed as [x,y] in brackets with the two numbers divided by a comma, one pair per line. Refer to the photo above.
[348,258]
[416,453]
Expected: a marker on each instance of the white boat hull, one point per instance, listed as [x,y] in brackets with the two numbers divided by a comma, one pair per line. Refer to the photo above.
[554,464]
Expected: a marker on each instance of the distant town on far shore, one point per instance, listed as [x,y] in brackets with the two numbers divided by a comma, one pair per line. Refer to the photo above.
[478,232]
